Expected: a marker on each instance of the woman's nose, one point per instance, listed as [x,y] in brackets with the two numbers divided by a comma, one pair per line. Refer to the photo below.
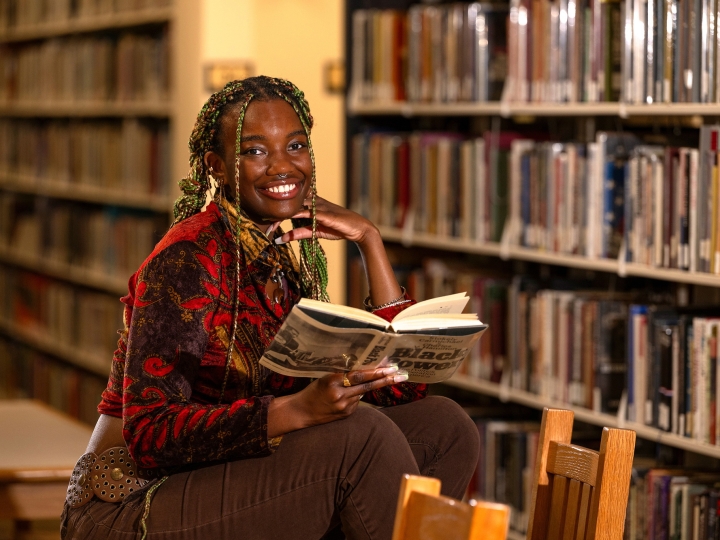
[279,164]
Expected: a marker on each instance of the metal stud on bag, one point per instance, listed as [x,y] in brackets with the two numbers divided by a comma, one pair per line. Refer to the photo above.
[114,475]
[79,489]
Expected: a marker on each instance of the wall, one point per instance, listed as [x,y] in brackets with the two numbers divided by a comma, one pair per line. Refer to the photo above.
[291,39]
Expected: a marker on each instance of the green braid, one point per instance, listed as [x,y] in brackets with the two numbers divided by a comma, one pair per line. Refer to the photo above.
[313,262]
[196,184]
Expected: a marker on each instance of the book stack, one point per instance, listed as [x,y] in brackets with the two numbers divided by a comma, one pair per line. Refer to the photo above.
[85,320]
[673,503]
[434,183]
[26,373]
[114,242]
[129,156]
[635,51]
[22,14]
[131,67]
[430,53]
[673,371]
[506,466]
[613,198]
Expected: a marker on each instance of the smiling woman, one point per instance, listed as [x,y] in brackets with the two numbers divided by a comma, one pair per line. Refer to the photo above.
[187,402]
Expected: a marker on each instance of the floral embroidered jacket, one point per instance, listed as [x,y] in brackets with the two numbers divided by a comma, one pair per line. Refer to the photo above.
[169,368]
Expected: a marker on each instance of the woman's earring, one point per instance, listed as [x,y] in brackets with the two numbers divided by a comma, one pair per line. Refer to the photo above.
[216,186]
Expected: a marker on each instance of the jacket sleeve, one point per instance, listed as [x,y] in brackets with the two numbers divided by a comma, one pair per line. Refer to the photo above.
[396,394]
[177,294]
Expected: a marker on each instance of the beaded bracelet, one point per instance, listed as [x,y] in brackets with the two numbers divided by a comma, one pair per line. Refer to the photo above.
[399,300]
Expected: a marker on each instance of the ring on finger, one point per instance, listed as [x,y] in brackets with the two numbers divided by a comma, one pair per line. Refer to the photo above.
[346,381]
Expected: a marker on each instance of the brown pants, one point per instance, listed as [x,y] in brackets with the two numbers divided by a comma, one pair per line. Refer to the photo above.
[343,473]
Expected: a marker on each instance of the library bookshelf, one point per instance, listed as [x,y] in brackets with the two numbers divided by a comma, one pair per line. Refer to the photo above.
[86,173]
[451,164]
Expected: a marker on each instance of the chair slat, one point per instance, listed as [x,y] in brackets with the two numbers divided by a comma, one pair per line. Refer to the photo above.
[557,507]
[410,484]
[489,521]
[609,500]
[556,426]
[572,509]
[584,511]
[573,461]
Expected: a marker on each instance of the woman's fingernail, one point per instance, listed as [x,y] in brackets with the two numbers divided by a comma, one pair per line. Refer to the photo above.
[390,369]
[279,240]
[400,377]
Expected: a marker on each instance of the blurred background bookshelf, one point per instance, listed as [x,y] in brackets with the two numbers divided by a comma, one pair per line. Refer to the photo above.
[97,101]
[558,160]
[89,101]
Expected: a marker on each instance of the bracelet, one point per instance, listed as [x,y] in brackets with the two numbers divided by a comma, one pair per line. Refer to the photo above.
[399,300]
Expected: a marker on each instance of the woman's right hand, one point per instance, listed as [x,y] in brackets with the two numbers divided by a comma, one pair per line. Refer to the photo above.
[327,399]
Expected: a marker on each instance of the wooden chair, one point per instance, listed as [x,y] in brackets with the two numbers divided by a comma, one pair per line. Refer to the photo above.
[424,514]
[579,494]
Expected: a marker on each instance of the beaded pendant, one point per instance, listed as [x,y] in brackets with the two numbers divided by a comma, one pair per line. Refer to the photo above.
[274,287]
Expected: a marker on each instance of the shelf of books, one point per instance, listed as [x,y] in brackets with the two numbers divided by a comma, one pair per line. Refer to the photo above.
[505,393]
[89,101]
[560,163]
[30,24]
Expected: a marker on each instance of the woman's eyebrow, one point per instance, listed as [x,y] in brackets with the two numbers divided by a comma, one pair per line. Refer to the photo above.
[296,133]
[253,138]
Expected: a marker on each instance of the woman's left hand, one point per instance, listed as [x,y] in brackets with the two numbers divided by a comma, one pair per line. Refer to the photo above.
[333,223]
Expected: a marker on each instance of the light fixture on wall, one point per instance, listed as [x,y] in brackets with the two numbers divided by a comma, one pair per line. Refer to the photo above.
[217,73]
[334,76]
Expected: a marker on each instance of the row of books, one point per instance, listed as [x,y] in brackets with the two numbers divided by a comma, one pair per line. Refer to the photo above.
[614,197]
[72,317]
[430,53]
[129,155]
[21,14]
[129,67]
[673,504]
[633,352]
[29,374]
[636,51]
[673,375]
[114,241]
[506,466]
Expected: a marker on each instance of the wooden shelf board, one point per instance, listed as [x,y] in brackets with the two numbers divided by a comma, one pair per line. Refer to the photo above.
[357,108]
[559,259]
[84,192]
[94,362]
[108,21]
[534,401]
[65,272]
[45,109]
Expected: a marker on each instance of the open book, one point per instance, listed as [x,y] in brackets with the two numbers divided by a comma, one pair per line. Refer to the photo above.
[429,339]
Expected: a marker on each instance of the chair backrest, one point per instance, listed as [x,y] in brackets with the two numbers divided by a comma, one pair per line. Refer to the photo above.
[424,514]
[579,494]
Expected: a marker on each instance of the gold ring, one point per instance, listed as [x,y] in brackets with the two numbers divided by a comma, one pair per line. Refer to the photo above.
[346,381]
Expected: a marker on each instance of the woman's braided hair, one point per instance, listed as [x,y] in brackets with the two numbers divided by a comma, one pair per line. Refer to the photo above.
[206,137]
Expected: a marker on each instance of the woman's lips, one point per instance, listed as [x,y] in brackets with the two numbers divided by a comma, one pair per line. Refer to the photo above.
[282,191]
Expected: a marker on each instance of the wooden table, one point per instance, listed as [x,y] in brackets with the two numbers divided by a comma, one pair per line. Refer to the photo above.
[39,447]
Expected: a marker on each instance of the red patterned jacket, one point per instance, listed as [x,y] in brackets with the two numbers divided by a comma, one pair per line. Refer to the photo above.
[169,367]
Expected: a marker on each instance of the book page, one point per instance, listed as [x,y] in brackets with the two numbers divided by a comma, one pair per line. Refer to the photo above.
[427,359]
[451,304]
[304,347]
[342,311]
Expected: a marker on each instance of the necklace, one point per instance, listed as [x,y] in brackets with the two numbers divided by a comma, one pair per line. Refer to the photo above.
[274,289]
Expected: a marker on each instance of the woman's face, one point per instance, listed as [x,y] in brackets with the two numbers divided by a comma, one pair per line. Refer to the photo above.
[275,165]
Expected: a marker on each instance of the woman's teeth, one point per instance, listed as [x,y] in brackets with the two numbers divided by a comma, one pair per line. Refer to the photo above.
[282,189]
